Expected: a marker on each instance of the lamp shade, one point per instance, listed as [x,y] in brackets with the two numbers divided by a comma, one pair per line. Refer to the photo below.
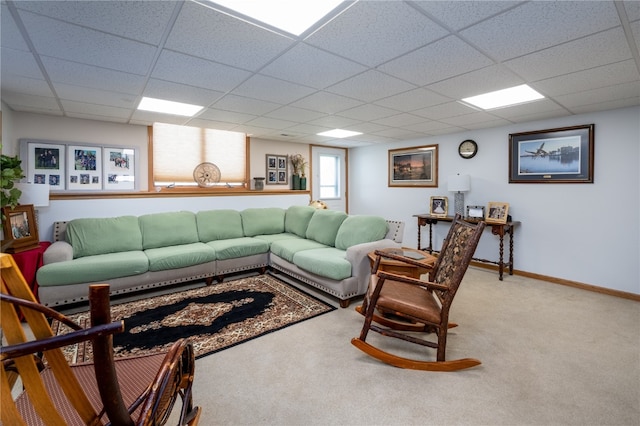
[36,194]
[459,183]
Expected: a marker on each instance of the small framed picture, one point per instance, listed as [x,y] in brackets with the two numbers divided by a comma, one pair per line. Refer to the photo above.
[85,167]
[276,169]
[20,228]
[438,206]
[119,168]
[475,212]
[497,212]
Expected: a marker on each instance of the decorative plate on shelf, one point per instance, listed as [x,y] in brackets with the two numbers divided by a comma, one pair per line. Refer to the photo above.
[206,174]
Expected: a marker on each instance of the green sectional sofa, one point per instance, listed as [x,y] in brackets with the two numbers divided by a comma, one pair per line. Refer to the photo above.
[323,248]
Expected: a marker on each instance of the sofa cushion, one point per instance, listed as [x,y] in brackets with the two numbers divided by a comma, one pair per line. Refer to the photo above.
[287,248]
[324,226]
[103,235]
[327,262]
[179,256]
[219,225]
[168,229]
[262,221]
[360,229]
[296,219]
[277,237]
[89,269]
[238,247]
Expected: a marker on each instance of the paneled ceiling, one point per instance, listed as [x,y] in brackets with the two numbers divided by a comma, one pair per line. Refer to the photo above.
[393,70]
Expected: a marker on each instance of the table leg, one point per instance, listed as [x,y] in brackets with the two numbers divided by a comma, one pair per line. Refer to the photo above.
[511,250]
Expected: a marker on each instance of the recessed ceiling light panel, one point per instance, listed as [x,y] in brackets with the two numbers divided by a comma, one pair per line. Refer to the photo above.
[339,133]
[505,97]
[169,107]
[292,16]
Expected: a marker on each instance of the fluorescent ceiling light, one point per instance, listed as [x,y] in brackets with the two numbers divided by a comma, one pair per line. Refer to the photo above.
[506,97]
[168,107]
[292,16]
[339,133]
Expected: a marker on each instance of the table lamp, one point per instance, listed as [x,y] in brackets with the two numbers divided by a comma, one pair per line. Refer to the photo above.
[34,193]
[459,184]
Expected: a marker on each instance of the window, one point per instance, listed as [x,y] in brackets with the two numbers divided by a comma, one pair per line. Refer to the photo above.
[177,150]
[329,176]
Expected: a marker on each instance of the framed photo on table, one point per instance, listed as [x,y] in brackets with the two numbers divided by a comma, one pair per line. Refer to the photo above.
[84,167]
[562,155]
[497,212]
[20,228]
[416,166]
[438,206]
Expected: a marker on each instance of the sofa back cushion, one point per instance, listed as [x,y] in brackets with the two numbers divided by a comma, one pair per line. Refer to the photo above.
[168,229]
[262,221]
[214,225]
[358,229]
[324,225]
[296,220]
[103,235]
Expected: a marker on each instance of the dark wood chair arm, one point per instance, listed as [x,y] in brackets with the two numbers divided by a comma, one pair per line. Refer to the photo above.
[399,258]
[28,348]
[47,311]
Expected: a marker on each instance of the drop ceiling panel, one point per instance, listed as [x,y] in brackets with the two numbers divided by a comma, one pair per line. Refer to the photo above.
[214,114]
[313,67]
[79,44]
[23,85]
[412,100]
[271,89]
[32,103]
[537,25]
[130,19]
[529,109]
[370,86]
[68,92]
[189,70]
[488,79]
[60,71]
[437,61]
[589,52]
[460,14]
[94,110]
[326,102]
[449,109]
[295,114]
[19,63]
[374,32]
[246,105]
[604,94]
[206,33]
[11,37]
[368,112]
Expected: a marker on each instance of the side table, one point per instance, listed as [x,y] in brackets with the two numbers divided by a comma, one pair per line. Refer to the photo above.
[28,262]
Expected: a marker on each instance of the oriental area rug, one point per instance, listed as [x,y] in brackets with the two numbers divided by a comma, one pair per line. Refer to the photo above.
[215,317]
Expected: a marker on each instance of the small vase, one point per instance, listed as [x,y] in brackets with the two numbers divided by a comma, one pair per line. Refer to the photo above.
[296,182]
[303,183]
[258,183]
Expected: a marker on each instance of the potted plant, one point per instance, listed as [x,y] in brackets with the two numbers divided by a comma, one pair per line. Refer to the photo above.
[299,178]
[11,172]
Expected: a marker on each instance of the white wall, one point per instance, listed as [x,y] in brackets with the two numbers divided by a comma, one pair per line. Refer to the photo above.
[587,233]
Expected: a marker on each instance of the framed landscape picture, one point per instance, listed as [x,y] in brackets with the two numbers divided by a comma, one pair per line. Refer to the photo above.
[416,166]
[563,155]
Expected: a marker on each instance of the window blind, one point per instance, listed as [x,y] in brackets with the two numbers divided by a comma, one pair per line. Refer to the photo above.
[177,150]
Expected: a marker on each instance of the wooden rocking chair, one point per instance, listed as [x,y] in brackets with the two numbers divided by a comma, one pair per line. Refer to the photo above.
[403,304]
[124,391]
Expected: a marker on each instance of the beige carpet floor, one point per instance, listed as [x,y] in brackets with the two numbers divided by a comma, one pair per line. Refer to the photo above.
[551,355]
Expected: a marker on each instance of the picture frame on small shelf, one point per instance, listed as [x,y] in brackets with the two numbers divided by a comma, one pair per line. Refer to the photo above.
[497,212]
[438,206]
[475,212]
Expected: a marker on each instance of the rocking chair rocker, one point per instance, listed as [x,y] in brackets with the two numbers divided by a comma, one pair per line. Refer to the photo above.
[138,390]
[399,303]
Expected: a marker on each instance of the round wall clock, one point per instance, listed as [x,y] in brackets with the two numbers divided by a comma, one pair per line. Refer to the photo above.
[468,149]
[206,174]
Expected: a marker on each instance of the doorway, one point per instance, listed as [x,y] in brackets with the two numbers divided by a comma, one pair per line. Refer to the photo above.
[329,182]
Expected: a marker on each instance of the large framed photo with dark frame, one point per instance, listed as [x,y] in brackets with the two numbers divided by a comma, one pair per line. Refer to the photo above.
[415,166]
[20,229]
[562,155]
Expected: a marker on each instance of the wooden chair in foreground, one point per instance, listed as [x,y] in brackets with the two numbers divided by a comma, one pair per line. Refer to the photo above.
[124,391]
[403,304]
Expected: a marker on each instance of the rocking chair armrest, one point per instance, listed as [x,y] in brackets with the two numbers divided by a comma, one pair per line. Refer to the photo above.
[409,280]
[47,311]
[399,258]
[27,348]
